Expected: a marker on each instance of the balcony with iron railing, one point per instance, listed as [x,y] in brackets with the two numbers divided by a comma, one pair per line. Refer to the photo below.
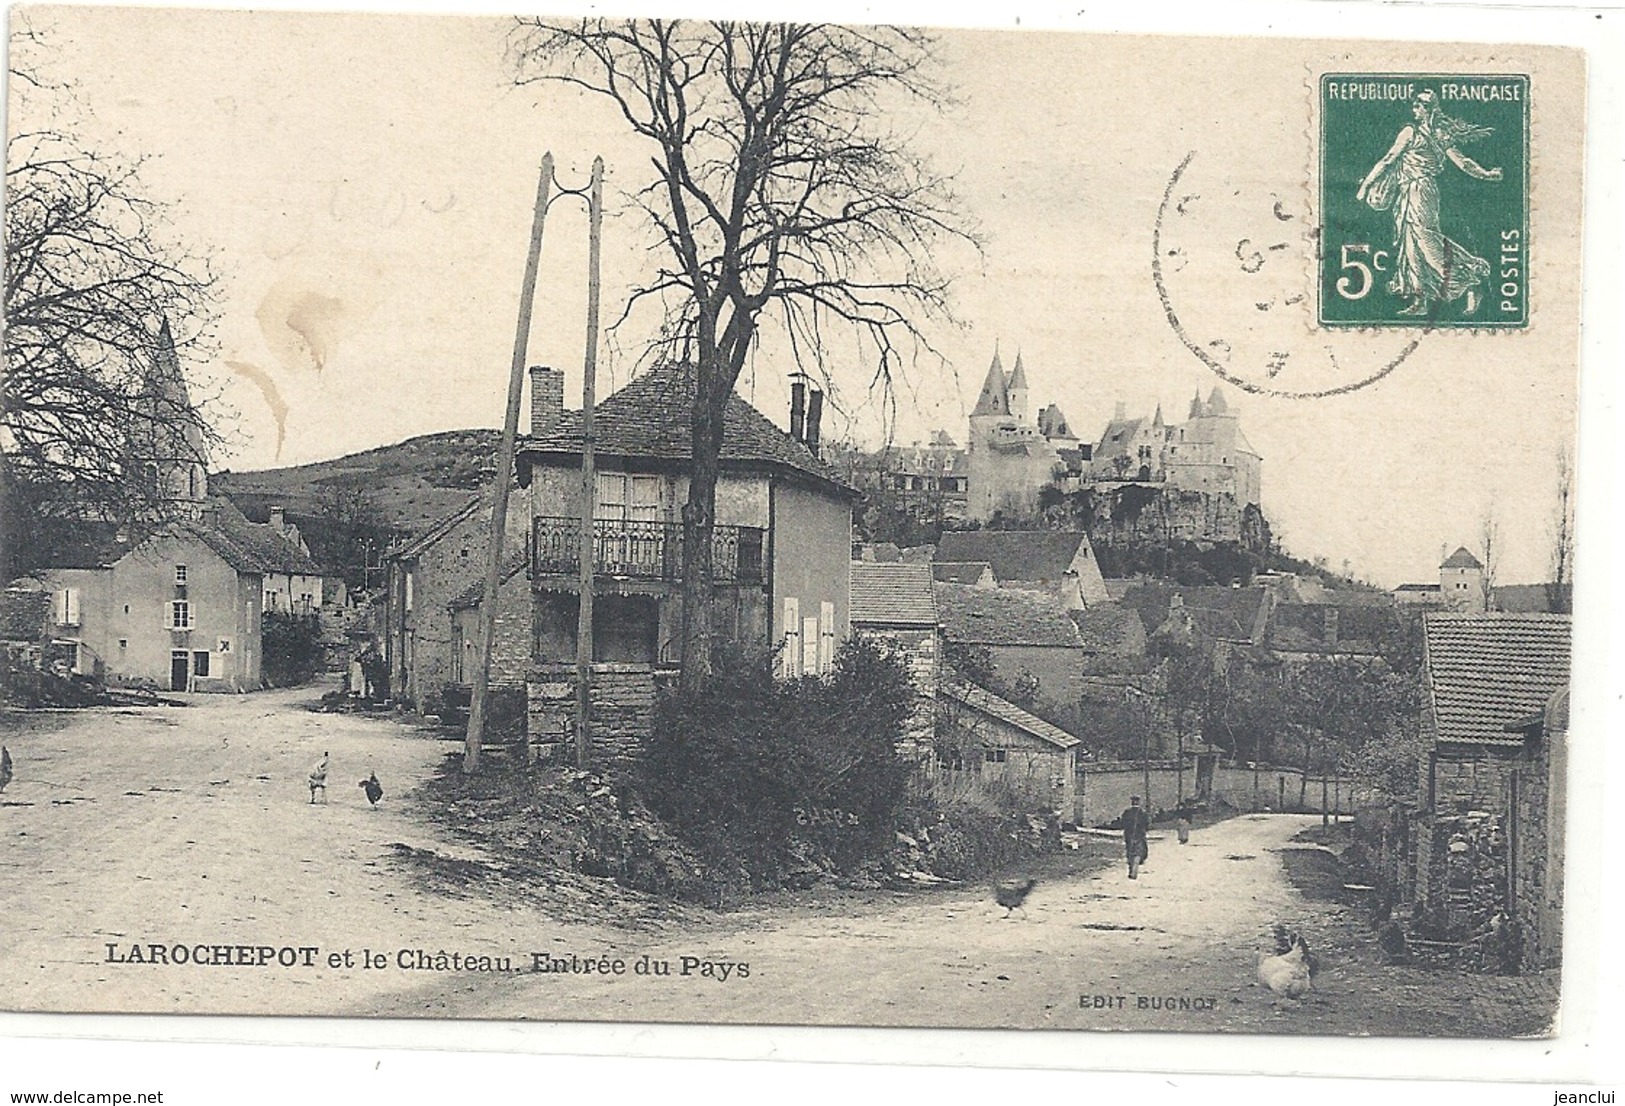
[650,551]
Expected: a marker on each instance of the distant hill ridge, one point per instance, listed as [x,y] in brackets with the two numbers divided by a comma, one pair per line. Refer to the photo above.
[409,485]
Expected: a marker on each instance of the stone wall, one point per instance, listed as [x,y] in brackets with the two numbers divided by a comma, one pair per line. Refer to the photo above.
[623,701]
[1105,786]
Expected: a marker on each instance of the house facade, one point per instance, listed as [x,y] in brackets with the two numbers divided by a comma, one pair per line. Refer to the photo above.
[425,576]
[182,608]
[1491,780]
[895,602]
[781,545]
[989,743]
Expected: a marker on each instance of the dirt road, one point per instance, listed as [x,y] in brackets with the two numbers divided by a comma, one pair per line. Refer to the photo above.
[189,829]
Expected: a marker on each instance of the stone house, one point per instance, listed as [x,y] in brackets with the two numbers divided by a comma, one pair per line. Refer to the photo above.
[510,641]
[781,551]
[896,603]
[988,742]
[181,607]
[1027,635]
[425,576]
[1061,562]
[1491,768]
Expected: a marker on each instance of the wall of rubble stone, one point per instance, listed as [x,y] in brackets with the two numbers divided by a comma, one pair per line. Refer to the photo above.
[623,705]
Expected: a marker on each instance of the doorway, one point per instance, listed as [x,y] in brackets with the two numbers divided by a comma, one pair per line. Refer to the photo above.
[180,667]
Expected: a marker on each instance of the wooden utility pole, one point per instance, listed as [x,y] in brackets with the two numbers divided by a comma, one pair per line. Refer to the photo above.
[589,479]
[486,631]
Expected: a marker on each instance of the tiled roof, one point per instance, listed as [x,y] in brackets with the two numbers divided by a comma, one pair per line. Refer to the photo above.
[1003,616]
[23,614]
[246,546]
[434,533]
[1109,628]
[980,699]
[1228,613]
[1041,555]
[475,592]
[1461,559]
[650,418]
[1485,670]
[893,593]
[959,572]
[1418,587]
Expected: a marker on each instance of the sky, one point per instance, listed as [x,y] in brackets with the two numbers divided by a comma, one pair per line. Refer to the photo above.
[364,184]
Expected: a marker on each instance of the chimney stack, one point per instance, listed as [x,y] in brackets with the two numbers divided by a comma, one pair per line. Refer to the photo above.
[546,399]
[815,415]
[279,520]
[798,407]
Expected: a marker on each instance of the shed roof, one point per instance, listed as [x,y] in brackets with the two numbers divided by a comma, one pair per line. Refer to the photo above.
[651,417]
[1015,554]
[1004,616]
[893,593]
[1485,670]
[985,702]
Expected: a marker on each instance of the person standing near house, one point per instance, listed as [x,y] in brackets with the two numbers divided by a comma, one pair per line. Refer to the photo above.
[1135,827]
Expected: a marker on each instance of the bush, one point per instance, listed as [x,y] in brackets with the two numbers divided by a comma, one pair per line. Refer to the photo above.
[292,645]
[775,782]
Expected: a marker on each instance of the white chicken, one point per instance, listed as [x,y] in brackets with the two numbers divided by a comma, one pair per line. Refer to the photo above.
[1291,970]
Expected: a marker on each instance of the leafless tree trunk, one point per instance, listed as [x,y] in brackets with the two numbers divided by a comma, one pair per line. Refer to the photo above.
[1489,551]
[777,195]
[1559,597]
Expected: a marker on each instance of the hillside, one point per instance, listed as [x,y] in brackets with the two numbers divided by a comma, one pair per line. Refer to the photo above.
[406,486]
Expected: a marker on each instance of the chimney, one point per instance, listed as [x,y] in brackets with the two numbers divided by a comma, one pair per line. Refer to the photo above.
[546,399]
[798,407]
[815,414]
[279,520]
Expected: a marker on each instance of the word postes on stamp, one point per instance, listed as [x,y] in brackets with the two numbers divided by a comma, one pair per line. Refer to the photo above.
[1424,200]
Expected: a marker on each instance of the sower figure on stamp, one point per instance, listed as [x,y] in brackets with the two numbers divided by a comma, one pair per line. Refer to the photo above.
[1428,267]
[1135,827]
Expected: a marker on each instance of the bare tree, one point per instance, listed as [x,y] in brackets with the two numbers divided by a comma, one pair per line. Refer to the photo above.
[779,196]
[1489,551]
[94,294]
[1559,594]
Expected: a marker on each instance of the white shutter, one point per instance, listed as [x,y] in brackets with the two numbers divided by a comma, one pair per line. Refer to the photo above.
[65,607]
[826,637]
[792,638]
[809,646]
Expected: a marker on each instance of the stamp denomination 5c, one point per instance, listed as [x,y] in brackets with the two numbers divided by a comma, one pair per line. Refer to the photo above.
[1424,200]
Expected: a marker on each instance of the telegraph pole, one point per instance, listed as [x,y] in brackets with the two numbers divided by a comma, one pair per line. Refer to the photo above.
[589,489]
[486,631]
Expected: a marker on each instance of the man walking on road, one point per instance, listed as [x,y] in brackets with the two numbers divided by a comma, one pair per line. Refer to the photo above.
[1135,827]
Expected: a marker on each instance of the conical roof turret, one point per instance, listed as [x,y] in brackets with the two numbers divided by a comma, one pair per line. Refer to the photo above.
[995,397]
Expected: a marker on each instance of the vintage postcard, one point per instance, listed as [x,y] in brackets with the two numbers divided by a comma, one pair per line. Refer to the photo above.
[671,521]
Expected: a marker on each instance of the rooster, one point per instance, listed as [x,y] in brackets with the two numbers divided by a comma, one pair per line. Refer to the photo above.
[1011,893]
[372,787]
[1289,972]
[5,767]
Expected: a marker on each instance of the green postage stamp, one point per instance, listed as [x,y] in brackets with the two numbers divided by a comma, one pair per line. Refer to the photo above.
[1424,199]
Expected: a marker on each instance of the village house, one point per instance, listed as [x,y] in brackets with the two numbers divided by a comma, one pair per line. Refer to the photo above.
[180,608]
[989,743]
[426,576]
[1027,635]
[896,603]
[1494,721]
[1059,562]
[781,551]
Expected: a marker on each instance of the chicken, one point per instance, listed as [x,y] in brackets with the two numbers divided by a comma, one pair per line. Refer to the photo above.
[372,787]
[1011,893]
[318,779]
[1290,971]
[5,767]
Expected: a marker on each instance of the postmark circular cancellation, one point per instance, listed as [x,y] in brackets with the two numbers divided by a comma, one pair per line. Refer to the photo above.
[1414,223]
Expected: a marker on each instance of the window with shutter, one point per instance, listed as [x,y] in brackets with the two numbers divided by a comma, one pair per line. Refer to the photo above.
[809,646]
[180,615]
[826,637]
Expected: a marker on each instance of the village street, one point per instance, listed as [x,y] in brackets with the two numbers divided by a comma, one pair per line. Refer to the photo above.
[190,826]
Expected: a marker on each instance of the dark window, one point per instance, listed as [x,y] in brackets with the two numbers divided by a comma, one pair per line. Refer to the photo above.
[200,663]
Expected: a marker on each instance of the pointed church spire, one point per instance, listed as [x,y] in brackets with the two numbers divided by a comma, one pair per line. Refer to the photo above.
[995,397]
[1196,407]
[1016,388]
[1157,420]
